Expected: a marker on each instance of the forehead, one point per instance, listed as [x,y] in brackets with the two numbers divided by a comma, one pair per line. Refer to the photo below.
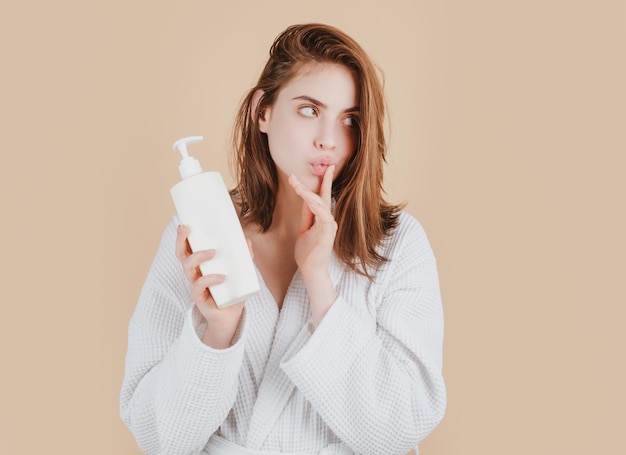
[333,84]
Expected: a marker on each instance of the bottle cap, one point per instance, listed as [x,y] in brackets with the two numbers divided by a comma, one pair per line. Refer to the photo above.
[189,165]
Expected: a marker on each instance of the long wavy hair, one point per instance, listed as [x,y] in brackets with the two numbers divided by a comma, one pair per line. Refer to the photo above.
[363,217]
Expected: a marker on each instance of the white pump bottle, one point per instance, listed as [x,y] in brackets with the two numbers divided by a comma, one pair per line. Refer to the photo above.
[205,207]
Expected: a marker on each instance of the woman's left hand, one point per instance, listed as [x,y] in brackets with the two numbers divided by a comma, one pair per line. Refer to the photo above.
[314,244]
[318,227]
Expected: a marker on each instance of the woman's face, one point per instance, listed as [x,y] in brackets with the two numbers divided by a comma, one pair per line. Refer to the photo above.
[312,123]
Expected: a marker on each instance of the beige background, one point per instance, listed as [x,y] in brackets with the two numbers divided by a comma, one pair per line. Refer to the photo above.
[508,123]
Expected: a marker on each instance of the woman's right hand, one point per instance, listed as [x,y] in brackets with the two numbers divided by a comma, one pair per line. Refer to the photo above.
[221,324]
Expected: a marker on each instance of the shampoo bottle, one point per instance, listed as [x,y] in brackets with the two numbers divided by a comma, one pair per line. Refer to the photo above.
[204,205]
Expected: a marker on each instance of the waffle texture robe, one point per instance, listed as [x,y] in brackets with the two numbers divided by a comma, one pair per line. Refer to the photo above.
[367,381]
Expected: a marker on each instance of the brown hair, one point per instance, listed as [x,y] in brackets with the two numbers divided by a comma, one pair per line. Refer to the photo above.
[363,217]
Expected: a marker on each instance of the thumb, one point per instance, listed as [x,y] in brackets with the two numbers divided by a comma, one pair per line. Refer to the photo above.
[306,217]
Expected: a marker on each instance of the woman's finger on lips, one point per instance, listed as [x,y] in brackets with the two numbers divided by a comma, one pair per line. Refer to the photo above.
[327,185]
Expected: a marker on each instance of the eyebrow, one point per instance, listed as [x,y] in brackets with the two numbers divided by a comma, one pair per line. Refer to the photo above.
[322,105]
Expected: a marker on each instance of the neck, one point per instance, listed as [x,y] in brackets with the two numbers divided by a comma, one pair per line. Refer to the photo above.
[287,211]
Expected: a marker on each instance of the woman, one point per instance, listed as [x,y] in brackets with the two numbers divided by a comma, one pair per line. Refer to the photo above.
[341,352]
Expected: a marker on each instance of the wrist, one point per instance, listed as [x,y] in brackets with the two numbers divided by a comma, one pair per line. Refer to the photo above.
[219,334]
[314,278]
[322,295]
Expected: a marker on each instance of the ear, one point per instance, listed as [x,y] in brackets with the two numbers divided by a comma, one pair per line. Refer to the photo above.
[263,115]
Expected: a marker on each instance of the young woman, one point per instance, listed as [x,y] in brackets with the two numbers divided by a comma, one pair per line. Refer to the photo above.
[341,352]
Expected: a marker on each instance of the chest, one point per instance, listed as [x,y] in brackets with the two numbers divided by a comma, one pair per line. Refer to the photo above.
[274,257]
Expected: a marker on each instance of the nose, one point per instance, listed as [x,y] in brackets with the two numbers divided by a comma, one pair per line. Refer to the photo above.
[326,137]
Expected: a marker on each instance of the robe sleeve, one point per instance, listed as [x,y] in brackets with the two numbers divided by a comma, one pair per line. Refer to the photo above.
[376,379]
[176,391]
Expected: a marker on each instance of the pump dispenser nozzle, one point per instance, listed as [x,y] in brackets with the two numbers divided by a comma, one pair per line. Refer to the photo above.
[189,165]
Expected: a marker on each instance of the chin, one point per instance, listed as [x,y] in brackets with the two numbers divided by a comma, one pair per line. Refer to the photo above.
[312,182]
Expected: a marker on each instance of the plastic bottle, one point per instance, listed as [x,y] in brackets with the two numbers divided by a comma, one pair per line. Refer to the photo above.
[204,205]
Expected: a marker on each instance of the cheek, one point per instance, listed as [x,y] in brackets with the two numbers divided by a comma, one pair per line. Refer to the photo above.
[349,141]
[284,134]
[285,146]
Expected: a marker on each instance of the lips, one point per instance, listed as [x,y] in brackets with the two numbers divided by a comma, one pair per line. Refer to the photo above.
[320,165]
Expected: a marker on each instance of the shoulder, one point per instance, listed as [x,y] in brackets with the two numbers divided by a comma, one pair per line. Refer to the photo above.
[408,223]
[405,248]
[408,236]
[410,262]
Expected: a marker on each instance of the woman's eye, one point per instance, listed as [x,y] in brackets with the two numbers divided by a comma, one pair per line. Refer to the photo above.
[308,111]
[350,121]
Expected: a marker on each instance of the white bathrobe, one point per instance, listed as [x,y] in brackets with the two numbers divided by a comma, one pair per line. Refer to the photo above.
[367,381]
